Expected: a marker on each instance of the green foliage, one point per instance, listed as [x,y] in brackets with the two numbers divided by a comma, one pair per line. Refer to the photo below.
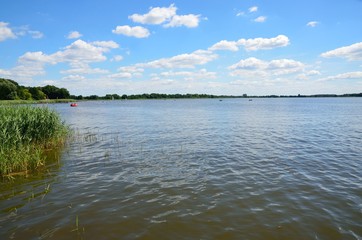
[11,90]
[37,93]
[24,133]
[7,89]
[55,93]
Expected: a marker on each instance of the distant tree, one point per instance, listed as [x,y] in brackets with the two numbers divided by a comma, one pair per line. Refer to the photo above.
[8,89]
[63,93]
[24,93]
[50,91]
[93,97]
[53,92]
[37,93]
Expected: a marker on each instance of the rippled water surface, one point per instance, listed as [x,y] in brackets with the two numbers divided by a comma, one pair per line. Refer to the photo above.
[197,169]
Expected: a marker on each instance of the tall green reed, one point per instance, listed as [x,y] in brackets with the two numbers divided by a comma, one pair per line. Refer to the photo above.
[25,132]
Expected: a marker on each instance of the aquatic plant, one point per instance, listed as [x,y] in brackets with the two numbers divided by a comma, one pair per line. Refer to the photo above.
[25,132]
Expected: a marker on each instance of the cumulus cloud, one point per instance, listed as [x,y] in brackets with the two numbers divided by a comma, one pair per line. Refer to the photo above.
[264,43]
[166,16]
[199,57]
[344,76]
[189,75]
[252,44]
[225,45]
[352,52]
[83,68]
[264,68]
[157,15]
[78,55]
[312,24]
[190,21]
[74,34]
[6,32]
[81,51]
[106,45]
[138,31]
[128,72]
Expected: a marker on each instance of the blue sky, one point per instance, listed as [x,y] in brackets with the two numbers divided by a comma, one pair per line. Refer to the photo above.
[199,46]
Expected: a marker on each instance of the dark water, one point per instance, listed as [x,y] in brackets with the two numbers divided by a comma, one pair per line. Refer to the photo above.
[197,169]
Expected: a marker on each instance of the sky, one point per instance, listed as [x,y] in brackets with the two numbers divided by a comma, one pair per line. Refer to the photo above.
[231,47]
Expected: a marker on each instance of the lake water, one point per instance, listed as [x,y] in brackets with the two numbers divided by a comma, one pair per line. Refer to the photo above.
[197,169]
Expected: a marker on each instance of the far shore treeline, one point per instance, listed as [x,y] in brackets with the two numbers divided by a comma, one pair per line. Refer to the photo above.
[11,90]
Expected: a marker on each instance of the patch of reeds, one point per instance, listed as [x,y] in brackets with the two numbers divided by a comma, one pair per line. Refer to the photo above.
[25,132]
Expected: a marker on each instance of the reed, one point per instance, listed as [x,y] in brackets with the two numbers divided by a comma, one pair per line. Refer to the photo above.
[25,132]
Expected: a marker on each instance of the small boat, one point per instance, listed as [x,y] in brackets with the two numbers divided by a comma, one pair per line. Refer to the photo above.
[73,104]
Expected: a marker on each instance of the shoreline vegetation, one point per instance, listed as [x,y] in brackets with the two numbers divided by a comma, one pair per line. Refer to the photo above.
[13,93]
[26,132]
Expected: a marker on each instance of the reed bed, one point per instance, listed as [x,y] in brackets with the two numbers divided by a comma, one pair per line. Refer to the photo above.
[25,132]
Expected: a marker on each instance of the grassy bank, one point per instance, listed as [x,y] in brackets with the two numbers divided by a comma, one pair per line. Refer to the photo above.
[13,102]
[25,132]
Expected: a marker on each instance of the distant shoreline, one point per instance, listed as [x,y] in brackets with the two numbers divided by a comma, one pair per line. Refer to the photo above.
[156,96]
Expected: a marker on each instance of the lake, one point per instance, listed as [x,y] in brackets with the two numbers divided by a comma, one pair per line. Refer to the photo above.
[196,169]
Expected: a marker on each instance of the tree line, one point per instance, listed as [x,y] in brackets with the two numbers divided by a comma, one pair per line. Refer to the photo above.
[11,90]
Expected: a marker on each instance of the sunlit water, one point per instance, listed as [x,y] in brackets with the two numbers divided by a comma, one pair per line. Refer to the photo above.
[197,169]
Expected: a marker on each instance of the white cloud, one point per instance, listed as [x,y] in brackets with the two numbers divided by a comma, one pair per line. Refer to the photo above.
[312,24]
[4,72]
[249,64]
[79,55]
[128,72]
[253,66]
[157,15]
[74,78]
[105,44]
[81,51]
[6,32]
[260,19]
[166,16]
[252,44]
[138,31]
[201,74]
[313,72]
[352,52]
[74,34]
[264,43]
[199,57]
[253,9]
[344,76]
[121,75]
[189,21]
[225,45]
[117,58]
[83,68]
